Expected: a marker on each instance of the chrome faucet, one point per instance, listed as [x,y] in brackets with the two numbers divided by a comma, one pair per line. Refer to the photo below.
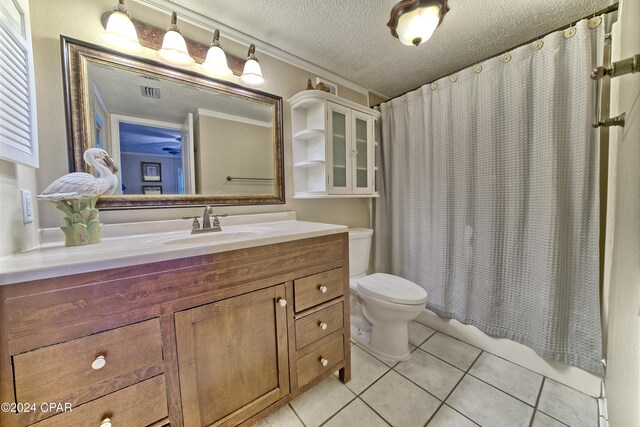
[207,226]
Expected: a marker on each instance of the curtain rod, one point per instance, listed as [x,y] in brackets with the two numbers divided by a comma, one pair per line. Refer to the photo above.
[609,9]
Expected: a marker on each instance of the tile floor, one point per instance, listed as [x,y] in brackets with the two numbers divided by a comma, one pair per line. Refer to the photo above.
[445,383]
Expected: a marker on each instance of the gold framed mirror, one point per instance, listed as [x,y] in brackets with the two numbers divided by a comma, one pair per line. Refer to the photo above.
[179,137]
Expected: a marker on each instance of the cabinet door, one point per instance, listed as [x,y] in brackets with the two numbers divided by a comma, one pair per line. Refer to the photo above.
[362,143]
[339,131]
[232,357]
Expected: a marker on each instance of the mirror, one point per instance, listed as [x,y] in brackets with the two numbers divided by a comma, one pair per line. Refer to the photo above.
[179,137]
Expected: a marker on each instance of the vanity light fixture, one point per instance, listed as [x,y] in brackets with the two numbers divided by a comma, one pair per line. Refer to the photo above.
[174,48]
[216,61]
[252,73]
[120,32]
[414,21]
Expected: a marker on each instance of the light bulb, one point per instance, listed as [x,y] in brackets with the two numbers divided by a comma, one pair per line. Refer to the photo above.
[417,26]
[120,32]
[252,74]
[216,60]
[174,48]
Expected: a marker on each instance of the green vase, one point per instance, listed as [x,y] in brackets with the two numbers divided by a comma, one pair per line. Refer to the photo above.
[82,221]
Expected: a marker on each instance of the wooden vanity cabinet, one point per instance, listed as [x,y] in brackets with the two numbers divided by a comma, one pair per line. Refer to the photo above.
[232,357]
[219,339]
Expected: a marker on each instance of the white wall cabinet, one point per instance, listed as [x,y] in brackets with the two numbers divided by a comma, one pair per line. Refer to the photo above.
[333,146]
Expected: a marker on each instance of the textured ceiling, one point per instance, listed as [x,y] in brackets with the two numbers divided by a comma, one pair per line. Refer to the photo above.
[350,37]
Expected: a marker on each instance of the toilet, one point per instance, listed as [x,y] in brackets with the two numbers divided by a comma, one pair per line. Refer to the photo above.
[381,304]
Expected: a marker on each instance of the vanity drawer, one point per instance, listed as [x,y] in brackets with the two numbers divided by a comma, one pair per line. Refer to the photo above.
[310,328]
[141,404]
[312,364]
[316,289]
[74,372]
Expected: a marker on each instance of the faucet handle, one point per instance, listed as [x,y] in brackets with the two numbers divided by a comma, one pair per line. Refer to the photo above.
[216,221]
[196,224]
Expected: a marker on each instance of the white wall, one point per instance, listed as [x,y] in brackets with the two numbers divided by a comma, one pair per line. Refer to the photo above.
[622,260]
[81,20]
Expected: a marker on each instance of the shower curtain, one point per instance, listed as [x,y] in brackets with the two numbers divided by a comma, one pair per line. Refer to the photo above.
[488,185]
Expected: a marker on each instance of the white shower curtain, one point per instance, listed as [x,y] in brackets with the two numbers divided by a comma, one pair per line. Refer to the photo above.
[488,186]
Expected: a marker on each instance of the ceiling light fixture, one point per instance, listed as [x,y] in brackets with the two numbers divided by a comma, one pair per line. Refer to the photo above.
[414,21]
[174,48]
[252,74]
[120,32]
[216,61]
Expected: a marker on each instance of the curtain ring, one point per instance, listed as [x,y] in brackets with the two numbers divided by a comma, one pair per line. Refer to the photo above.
[569,32]
[506,57]
[594,22]
[478,69]
[403,98]
[388,104]
[537,45]
[418,92]
[453,78]
[434,86]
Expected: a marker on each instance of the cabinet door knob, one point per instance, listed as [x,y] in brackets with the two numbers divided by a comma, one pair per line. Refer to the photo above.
[324,361]
[323,326]
[99,364]
[323,289]
[106,422]
[282,302]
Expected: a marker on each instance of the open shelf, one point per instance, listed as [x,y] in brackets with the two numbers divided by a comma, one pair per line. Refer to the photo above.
[308,163]
[308,133]
[322,195]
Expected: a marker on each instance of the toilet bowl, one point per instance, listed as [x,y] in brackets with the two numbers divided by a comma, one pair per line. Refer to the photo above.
[381,304]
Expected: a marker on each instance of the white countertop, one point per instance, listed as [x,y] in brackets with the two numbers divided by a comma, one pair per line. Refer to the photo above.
[141,243]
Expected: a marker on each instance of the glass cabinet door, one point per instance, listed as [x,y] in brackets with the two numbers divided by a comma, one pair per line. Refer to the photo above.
[339,127]
[363,153]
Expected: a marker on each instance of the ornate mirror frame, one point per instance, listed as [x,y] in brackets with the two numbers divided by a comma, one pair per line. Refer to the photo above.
[75,56]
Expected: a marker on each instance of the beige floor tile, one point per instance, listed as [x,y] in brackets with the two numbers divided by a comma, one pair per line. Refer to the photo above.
[430,373]
[542,420]
[418,333]
[322,401]
[508,377]
[365,369]
[487,405]
[568,405]
[447,417]
[283,417]
[356,413]
[400,402]
[459,354]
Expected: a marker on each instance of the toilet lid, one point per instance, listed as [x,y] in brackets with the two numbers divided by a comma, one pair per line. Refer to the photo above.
[387,287]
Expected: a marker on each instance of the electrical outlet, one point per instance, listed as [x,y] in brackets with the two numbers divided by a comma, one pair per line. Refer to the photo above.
[27,206]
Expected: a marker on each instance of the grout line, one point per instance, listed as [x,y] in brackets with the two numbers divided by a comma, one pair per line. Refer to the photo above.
[535,408]
[341,408]
[374,411]
[501,390]
[296,414]
[371,385]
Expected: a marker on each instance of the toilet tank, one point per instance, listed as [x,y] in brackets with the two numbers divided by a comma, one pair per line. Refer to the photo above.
[359,250]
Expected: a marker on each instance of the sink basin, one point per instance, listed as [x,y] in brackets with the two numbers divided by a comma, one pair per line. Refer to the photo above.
[213,237]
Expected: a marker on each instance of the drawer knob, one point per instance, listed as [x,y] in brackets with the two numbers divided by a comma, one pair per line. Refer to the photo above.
[324,361]
[282,302]
[323,289]
[99,364]
[106,422]
[322,325]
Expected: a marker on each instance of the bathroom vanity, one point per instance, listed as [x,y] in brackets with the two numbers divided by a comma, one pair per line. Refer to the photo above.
[171,328]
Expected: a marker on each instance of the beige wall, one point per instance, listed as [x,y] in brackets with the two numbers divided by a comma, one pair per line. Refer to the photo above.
[14,235]
[81,20]
[230,148]
[622,268]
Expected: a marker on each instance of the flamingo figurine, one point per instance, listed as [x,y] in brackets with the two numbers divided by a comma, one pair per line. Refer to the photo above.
[81,185]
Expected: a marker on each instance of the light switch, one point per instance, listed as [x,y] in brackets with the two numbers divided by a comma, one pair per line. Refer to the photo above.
[27,206]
